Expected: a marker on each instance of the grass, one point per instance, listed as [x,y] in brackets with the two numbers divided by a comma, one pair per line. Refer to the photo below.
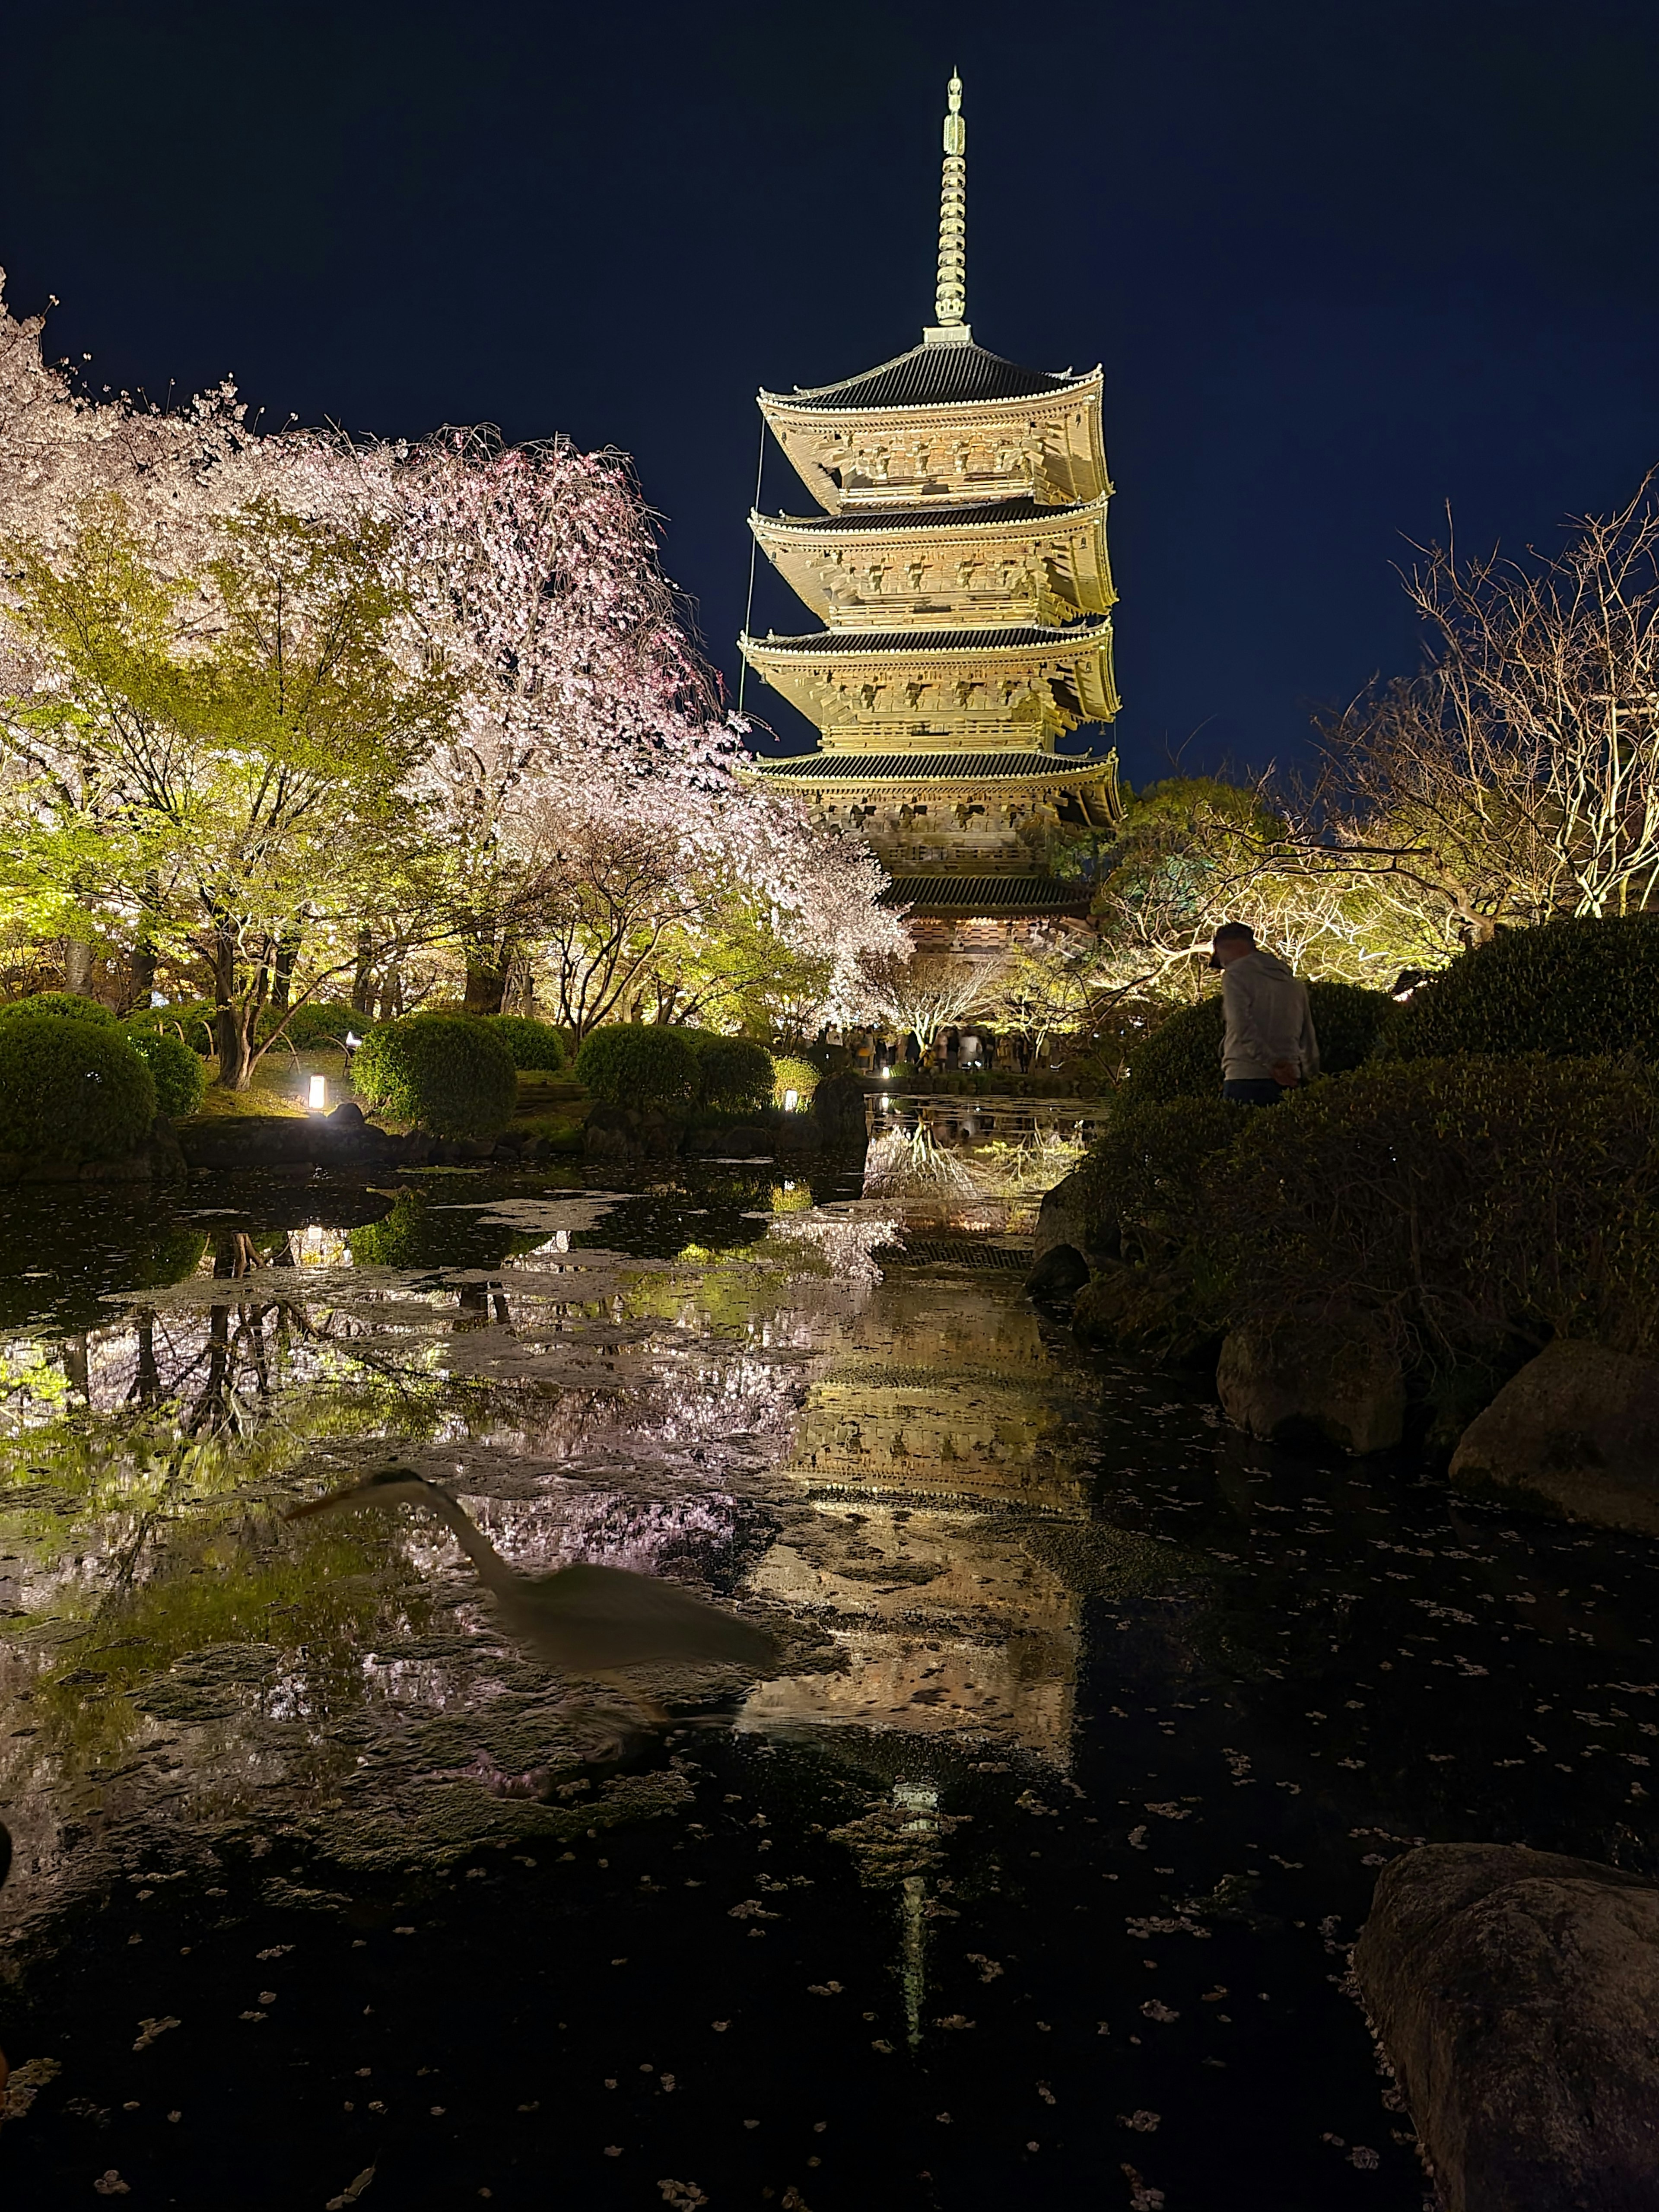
[553,1107]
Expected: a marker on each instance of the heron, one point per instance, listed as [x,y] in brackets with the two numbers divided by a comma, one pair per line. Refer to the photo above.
[584,1619]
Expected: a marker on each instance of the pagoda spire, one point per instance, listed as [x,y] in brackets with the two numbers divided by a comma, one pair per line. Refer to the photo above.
[950,297]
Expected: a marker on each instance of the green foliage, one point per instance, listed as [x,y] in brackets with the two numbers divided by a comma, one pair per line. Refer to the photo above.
[64,1006]
[643,1064]
[1146,1169]
[532,1044]
[1473,1206]
[1577,986]
[797,1075]
[446,1072]
[180,1075]
[1182,1057]
[735,1075]
[316,1025]
[191,1022]
[74,1091]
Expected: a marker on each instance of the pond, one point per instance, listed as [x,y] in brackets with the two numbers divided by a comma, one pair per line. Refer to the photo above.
[1025,1875]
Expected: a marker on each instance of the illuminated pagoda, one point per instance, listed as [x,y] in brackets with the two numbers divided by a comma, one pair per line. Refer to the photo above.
[959,569]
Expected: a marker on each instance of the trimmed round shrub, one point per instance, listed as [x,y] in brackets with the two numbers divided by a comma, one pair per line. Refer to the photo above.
[1145,1171]
[532,1044]
[66,1006]
[1182,1058]
[444,1073]
[1578,986]
[797,1075]
[639,1064]
[735,1075]
[179,1074]
[73,1091]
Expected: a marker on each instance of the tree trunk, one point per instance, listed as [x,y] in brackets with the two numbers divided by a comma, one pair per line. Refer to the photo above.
[77,968]
[486,979]
[282,978]
[362,980]
[231,1022]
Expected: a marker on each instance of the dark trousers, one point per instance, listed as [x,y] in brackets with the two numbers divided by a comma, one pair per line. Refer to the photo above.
[1252,1091]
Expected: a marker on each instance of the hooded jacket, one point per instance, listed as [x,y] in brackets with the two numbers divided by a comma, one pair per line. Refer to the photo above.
[1267,1019]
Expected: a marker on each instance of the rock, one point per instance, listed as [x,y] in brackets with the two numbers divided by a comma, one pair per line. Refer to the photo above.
[795,1133]
[1132,1308]
[746,1142]
[249,1141]
[348,1114]
[417,1148]
[1061,1270]
[1064,1218]
[1335,1380]
[1517,1995]
[838,1108]
[1577,1431]
[609,1136]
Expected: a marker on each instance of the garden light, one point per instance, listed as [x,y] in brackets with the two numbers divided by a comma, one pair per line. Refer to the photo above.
[791,1100]
[319,1093]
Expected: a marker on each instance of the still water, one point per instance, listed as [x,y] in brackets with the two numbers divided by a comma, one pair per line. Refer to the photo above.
[1027,1877]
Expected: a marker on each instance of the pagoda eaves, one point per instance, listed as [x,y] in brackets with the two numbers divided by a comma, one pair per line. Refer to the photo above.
[960,568]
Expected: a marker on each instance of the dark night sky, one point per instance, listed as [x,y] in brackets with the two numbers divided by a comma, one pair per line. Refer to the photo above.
[1343,264]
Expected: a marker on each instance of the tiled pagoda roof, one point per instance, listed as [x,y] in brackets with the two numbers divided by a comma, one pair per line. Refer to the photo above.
[929,375]
[928,767]
[864,642]
[1022,509]
[988,894]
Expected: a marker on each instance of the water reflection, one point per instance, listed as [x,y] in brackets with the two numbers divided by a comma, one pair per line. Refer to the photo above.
[974,1165]
[757,1401]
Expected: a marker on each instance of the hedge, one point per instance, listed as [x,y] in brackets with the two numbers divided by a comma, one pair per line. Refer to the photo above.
[66,1006]
[1577,986]
[179,1074]
[735,1075]
[643,1064]
[444,1073]
[71,1090]
[1182,1058]
[1475,1207]
[532,1044]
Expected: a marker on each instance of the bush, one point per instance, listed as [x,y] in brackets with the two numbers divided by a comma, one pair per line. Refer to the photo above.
[66,1006]
[639,1064]
[1475,1207]
[69,1089]
[1570,987]
[446,1072]
[532,1044]
[1182,1058]
[735,1075]
[799,1076]
[179,1074]
[1146,1171]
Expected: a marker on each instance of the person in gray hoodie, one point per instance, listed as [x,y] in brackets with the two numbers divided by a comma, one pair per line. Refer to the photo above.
[1269,1045]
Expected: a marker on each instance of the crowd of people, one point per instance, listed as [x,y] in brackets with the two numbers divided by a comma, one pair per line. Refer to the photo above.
[879,1052]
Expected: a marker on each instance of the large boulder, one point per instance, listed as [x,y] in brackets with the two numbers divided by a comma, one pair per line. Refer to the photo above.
[1334,1381]
[1128,1307]
[1577,1431]
[1069,1240]
[1517,1995]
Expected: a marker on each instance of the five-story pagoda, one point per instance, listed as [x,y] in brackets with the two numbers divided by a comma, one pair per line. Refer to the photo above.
[959,568]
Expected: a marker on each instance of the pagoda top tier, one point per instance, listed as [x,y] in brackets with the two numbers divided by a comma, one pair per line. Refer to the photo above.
[949,423]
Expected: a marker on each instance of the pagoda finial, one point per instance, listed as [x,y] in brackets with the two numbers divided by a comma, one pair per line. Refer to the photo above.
[950,299]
